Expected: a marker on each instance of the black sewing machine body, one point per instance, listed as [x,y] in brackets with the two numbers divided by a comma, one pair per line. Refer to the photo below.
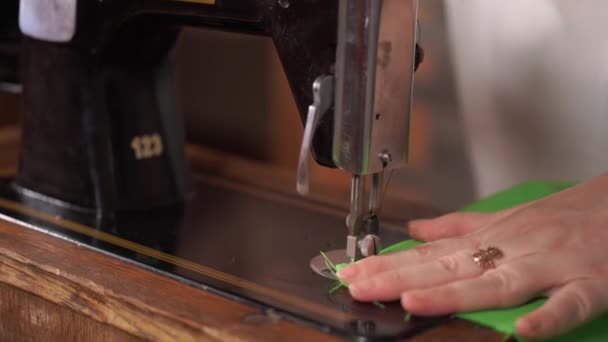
[9,43]
[102,122]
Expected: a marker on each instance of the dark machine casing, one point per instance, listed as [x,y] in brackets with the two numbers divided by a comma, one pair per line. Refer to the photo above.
[9,42]
[102,129]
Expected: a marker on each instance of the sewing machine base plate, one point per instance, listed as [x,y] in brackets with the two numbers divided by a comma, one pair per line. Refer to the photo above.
[234,240]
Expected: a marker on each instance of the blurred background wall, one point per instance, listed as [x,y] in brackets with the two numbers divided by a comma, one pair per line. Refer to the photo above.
[533,83]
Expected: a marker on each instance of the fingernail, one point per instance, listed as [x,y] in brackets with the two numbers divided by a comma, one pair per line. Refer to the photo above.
[405,301]
[360,287]
[527,327]
[414,224]
[347,272]
[411,300]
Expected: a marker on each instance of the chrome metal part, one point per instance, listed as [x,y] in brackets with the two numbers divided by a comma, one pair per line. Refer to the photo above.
[323,92]
[385,158]
[375,193]
[352,247]
[11,88]
[284,3]
[369,245]
[318,265]
[374,79]
[357,197]
[371,225]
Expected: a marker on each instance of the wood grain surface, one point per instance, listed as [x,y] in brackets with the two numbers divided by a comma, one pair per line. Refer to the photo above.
[26,317]
[129,298]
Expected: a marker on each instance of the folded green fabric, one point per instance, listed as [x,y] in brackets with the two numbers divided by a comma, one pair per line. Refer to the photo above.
[503,320]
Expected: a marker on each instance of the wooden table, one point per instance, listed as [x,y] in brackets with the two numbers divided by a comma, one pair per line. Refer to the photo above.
[53,290]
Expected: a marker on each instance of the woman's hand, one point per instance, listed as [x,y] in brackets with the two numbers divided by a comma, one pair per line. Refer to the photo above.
[556,247]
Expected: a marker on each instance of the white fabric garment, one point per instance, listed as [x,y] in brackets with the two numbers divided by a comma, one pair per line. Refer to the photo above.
[532,77]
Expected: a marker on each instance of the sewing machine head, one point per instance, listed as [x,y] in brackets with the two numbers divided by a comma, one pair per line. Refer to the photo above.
[371,94]
[101,130]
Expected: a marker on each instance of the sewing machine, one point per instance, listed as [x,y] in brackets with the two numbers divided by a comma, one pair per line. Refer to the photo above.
[103,145]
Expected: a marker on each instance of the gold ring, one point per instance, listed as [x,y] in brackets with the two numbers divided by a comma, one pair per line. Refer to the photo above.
[485,257]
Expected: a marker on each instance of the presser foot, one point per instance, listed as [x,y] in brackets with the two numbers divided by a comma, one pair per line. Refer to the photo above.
[319,266]
[368,246]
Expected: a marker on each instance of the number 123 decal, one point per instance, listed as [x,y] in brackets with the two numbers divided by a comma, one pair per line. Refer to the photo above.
[147,146]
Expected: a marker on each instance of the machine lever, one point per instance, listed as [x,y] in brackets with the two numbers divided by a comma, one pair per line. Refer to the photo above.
[323,93]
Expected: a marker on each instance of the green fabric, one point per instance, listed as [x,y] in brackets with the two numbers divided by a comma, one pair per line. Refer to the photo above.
[519,194]
[503,320]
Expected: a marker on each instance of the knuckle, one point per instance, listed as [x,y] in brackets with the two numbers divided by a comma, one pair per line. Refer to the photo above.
[474,241]
[393,277]
[582,304]
[502,281]
[549,218]
[372,264]
[449,263]
[546,322]
[396,276]
[539,220]
[529,225]
[423,251]
[597,266]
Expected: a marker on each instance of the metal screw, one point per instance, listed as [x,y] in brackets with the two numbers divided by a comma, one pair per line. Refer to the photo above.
[349,220]
[284,3]
[386,158]
[363,327]
[259,318]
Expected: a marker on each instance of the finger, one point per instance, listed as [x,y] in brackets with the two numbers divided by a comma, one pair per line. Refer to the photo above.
[432,251]
[453,225]
[389,285]
[368,267]
[506,286]
[567,308]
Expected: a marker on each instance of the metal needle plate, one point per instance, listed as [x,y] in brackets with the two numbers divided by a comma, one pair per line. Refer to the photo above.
[318,264]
